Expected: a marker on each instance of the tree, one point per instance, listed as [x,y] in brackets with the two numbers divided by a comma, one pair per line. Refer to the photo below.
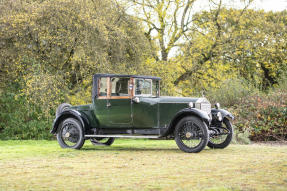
[252,47]
[209,27]
[169,20]
[51,49]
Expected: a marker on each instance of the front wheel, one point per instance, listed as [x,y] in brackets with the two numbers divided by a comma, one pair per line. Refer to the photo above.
[70,134]
[191,134]
[223,136]
[102,141]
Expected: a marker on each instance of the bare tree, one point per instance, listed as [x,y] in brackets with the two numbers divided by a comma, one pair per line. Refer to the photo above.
[167,21]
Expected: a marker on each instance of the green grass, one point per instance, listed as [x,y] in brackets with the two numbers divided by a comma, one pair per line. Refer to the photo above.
[140,165]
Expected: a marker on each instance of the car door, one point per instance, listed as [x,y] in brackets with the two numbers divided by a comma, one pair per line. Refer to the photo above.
[101,102]
[145,109]
[119,103]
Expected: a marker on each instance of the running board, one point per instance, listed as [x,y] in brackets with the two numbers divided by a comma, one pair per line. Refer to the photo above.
[126,136]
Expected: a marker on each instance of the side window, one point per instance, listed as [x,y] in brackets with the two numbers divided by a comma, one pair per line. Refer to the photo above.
[155,88]
[143,87]
[120,86]
[103,86]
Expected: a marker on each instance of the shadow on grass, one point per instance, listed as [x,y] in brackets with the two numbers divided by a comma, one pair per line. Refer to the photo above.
[135,149]
[106,148]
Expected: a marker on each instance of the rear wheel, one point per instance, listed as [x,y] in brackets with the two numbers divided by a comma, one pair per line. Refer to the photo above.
[224,138]
[191,134]
[102,141]
[70,134]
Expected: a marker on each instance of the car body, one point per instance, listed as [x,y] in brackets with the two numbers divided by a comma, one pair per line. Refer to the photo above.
[130,106]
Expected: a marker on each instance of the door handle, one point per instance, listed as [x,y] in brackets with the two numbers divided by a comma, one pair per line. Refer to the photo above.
[136,99]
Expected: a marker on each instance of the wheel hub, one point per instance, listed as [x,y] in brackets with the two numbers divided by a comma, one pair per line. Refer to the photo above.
[188,135]
[67,135]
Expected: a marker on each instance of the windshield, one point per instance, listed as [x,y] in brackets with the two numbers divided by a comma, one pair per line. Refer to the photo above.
[146,87]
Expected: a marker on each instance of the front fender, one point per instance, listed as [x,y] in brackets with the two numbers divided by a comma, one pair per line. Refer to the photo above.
[224,113]
[186,112]
[194,111]
[66,114]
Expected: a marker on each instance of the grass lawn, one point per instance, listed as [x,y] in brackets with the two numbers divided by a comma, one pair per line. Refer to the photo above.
[140,165]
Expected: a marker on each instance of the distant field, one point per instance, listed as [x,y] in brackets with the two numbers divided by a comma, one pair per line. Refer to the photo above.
[140,165]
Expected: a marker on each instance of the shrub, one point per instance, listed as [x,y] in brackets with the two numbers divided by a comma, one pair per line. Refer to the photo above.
[260,116]
[17,121]
[240,137]
[231,92]
[263,115]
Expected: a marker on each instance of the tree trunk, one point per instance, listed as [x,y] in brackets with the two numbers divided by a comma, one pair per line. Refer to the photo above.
[164,55]
[268,79]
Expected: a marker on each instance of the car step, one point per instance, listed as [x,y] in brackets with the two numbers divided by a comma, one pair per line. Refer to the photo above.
[126,136]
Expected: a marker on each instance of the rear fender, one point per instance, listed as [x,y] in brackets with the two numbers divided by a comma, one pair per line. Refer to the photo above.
[67,114]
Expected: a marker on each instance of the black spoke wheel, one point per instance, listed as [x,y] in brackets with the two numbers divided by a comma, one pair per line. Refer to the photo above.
[224,138]
[105,141]
[191,134]
[70,134]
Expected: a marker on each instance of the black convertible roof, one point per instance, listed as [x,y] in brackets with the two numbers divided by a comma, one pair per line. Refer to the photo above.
[126,76]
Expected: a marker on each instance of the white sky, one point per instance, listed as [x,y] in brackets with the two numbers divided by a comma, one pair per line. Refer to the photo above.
[267,5]
[270,5]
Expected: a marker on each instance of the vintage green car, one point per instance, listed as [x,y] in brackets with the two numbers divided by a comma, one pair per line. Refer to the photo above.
[130,106]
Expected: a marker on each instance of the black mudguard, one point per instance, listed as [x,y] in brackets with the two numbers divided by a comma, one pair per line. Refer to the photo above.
[66,114]
[225,114]
[194,111]
[185,112]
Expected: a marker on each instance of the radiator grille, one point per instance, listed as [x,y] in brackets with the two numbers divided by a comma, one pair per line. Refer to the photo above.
[206,107]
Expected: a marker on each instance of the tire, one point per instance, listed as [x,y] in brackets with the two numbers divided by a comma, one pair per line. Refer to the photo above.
[190,129]
[226,141]
[70,134]
[102,141]
[62,107]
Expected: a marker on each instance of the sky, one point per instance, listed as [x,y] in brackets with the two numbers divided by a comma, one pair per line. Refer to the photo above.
[267,5]
[270,5]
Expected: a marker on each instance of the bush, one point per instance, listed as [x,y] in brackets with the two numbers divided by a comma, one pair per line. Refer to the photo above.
[282,83]
[260,116]
[19,121]
[240,137]
[231,92]
[263,115]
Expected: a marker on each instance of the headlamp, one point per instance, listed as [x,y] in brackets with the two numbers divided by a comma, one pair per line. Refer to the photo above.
[219,116]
